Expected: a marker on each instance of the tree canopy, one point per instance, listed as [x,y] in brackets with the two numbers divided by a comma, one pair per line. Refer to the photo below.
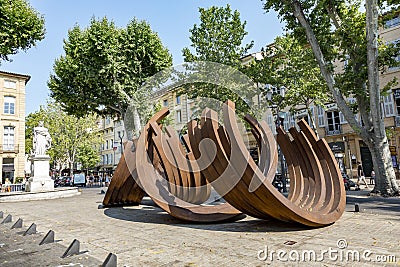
[218,38]
[21,27]
[104,65]
[289,64]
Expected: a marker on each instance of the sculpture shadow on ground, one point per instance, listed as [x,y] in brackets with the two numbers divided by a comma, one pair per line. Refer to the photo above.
[150,214]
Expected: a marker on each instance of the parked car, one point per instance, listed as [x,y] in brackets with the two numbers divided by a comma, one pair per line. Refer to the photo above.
[348,183]
[65,181]
[57,182]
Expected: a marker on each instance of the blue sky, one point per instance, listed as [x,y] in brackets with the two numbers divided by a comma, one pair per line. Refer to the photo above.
[171,19]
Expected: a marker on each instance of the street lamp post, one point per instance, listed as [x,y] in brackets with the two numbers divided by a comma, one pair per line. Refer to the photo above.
[279,122]
[275,105]
[121,136]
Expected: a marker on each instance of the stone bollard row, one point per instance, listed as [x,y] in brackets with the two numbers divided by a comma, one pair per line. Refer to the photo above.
[73,248]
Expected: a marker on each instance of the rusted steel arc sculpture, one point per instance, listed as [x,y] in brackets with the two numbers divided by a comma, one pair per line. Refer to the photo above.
[184,181]
[155,185]
[123,188]
[169,173]
[316,196]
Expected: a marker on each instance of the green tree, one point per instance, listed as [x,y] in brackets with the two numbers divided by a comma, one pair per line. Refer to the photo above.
[20,27]
[218,38]
[289,64]
[88,156]
[74,139]
[340,31]
[104,66]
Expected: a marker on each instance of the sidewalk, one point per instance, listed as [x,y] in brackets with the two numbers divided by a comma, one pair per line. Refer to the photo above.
[372,204]
[146,236]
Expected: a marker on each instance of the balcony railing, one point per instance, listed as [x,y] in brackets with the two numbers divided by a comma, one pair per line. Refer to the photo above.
[9,148]
[335,131]
[5,188]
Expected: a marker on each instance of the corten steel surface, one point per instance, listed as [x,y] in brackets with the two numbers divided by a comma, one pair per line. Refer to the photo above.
[166,181]
[123,188]
[178,175]
[317,195]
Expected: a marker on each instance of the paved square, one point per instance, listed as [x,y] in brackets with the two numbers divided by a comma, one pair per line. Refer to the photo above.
[146,236]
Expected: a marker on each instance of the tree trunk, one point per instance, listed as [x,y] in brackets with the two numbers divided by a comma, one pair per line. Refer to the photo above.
[385,179]
[132,123]
[137,122]
[379,147]
[71,169]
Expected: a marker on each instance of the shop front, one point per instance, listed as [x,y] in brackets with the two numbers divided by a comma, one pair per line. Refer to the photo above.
[338,150]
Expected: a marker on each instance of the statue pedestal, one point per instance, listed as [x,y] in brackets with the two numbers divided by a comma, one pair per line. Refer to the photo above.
[40,180]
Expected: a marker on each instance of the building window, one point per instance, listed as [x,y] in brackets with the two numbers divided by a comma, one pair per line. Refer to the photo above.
[178,100]
[271,123]
[10,84]
[8,138]
[292,120]
[178,116]
[397,58]
[108,120]
[392,22]
[165,102]
[333,120]
[321,116]
[9,105]
[388,105]
[286,123]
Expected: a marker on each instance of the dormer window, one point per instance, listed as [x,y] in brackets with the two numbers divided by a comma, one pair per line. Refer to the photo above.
[10,84]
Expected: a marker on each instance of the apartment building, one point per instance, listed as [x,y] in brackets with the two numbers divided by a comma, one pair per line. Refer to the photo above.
[180,106]
[107,159]
[111,149]
[12,125]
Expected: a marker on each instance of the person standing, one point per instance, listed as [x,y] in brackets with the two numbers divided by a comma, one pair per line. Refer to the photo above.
[8,185]
[360,175]
[107,180]
[372,180]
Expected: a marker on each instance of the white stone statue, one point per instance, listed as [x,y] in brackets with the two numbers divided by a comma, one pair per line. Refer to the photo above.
[41,139]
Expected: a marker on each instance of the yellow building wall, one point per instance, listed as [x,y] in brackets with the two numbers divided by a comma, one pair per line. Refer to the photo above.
[16,120]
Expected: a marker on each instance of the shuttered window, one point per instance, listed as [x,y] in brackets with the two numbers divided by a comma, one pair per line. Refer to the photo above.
[321,116]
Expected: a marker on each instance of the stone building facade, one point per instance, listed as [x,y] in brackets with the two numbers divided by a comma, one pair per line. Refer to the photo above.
[12,125]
